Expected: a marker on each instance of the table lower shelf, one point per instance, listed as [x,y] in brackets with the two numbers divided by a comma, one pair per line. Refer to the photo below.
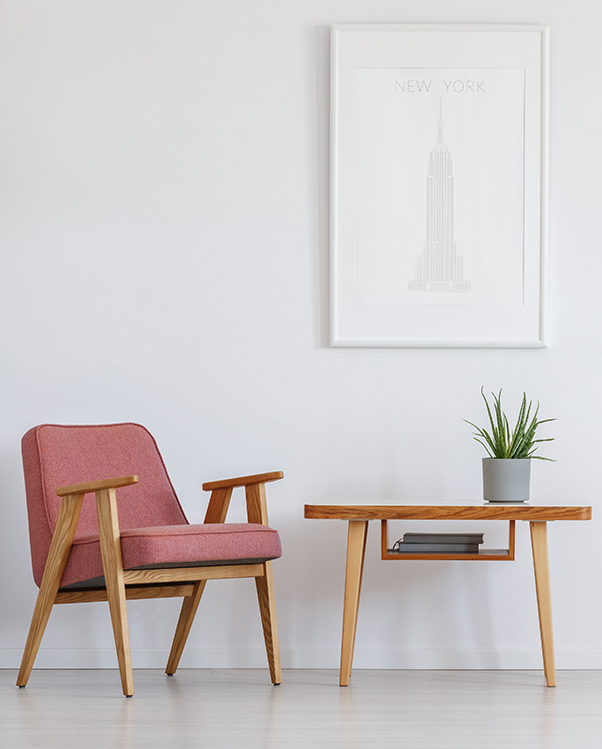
[494,554]
[497,555]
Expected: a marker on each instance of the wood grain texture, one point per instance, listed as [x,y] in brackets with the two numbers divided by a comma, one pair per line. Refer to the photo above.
[219,502]
[362,561]
[58,555]
[448,512]
[189,574]
[356,551]
[483,555]
[259,478]
[187,582]
[95,486]
[110,547]
[185,620]
[512,539]
[541,567]
[267,608]
[95,595]
[257,509]
[359,517]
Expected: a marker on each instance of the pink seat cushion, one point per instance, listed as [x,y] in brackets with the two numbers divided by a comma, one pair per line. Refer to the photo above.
[177,545]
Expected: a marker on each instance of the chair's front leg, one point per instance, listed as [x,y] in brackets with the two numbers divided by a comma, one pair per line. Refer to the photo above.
[267,607]
[58,555]
[110,547]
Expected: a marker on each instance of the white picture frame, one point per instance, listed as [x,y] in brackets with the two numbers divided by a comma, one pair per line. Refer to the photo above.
[438,220]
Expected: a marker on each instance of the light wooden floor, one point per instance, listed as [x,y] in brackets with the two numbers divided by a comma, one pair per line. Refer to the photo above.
[240,709]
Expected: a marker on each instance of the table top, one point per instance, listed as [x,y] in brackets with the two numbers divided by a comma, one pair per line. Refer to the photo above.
[464,511]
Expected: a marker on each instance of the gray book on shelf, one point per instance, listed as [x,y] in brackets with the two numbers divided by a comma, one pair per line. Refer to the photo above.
[443,538]
[435,548]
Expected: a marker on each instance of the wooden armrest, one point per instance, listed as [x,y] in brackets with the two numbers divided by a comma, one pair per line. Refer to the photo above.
[259,478]
[96,486]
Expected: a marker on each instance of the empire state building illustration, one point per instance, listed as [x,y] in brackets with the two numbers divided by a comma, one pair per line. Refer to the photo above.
[439,268]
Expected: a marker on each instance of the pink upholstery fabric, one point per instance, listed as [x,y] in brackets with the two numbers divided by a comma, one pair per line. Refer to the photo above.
[56,455]
[178,545]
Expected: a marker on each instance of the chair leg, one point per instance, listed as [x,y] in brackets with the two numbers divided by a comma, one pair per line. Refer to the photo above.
[267,607]
[56,562]
[110,547]
[187,614]
[119,620]
[39,620]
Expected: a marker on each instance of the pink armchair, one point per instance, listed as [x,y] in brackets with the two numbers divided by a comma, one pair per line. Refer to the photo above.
[135,542]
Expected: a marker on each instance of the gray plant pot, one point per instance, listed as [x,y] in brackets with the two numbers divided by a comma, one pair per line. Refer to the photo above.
[506,480]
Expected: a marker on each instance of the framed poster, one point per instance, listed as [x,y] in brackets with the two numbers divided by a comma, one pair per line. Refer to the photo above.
[438,185]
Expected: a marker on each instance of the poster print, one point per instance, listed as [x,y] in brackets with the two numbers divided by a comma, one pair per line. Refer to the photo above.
[439,241]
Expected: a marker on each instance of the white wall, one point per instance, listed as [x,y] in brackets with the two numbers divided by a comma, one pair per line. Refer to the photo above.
[164,241]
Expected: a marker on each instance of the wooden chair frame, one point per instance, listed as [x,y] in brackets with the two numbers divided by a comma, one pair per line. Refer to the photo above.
[186,582]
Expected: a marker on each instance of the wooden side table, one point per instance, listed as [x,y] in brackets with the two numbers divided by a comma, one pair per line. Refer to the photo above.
[359,517]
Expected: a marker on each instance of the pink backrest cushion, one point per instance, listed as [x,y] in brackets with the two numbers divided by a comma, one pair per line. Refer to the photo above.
[55,455]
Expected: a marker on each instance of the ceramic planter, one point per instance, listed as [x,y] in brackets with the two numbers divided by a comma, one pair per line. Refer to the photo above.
[506,479]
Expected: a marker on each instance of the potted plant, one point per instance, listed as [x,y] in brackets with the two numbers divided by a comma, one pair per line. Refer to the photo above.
[507,469]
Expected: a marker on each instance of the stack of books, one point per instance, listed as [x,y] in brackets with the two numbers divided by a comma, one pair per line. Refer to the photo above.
[438,543]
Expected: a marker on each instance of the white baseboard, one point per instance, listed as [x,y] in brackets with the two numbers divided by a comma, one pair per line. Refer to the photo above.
[313,659]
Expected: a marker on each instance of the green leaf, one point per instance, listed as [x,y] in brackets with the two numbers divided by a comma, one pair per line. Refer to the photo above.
[502,441]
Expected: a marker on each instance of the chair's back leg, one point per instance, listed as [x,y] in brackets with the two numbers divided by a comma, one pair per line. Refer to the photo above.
[56,562]
[187,614]
[110,546]
[267,607]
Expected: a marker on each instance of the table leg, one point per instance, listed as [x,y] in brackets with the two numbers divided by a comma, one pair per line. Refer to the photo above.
[356,551]
[539,544]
